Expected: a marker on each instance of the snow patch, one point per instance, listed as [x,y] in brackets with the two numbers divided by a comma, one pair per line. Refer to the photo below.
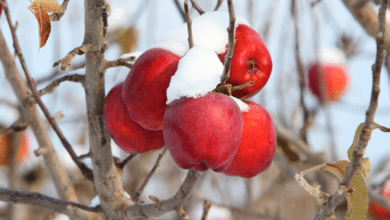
[135,54]
[208,30]
[198,73]
[332,55]
[95,201]
[242,105]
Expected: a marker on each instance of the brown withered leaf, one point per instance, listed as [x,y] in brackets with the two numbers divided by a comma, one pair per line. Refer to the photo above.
[44,24]
[50,6]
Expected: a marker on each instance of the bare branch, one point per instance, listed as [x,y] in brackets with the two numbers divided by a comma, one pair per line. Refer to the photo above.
[123,163]
[136,196]
[67,60]
[71,78]
[19,125]
[181,11]
[57,16]
[120,62]
[219,3]
[73,210]
[189,23]
[369,122]
[232,43]
[206,209]
[196,6]
[152,210]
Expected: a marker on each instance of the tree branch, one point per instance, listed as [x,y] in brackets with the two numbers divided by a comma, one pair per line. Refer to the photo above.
[232,43]
[154,210]
[189,23]
[73,210]
[369,122]
[181,11]
[57,16]
[197,7]
[67,60]
[120,62]
[71,78]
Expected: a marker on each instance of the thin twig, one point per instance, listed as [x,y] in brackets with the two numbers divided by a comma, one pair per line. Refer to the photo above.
[181,11]
[232,43]
[70,78]
[189,23]
[151,210]
[368,124]
[300,71]
[126,160]
[120,62]
[136,196]
[67,60]
[219,3]
[71,209]
[19,125]
[84,169]
[57,16]
[206,209]
[197,7]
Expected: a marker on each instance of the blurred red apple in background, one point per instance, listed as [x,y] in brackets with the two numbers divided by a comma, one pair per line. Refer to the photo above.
[251,62]
[127,134]
[377,212]
[328,81]
[144,91]
[22,151]
[257,145]
[203,132]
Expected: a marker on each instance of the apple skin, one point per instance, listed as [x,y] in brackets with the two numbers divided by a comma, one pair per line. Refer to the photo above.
[335,81]
[203,132]
[22,151]
[144,90]
[127,134]
[377,212]
[251,62]
[258,143]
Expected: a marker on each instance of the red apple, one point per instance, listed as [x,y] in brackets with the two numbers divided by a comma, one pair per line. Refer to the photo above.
[22,152]
[127,134]
[377,212]
[328,81]
[251,62]
[203,132]
[144,91]
[258,143]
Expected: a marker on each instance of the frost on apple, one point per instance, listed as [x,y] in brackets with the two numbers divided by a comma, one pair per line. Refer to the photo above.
[242,105]
[209,31]
[198,73]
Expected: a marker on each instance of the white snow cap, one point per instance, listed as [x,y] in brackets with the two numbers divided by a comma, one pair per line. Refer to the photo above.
[332,55]
[208,30]
[198,73]
[95,201]
[242,105]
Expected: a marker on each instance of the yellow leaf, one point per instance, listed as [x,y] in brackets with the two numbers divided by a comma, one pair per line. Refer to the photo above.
[50,6]
[44,26]
[358,199]
[127,38]
[355,141]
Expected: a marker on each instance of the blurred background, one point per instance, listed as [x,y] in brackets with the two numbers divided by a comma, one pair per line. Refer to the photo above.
[134,25]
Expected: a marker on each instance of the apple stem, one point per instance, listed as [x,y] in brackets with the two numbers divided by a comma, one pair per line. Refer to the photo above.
[236,88]
[231,44]
[189,24]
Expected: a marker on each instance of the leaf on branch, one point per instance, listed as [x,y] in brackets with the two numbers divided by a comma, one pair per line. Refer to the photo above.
[358,198]
[41,8]
[127,38]
[366,165]
[50,6]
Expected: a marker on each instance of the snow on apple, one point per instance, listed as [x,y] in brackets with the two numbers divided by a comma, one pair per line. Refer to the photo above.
[208,30]
[242,105]
[198,73]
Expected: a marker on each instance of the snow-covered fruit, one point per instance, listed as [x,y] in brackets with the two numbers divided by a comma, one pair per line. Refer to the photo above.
[251,62]
[376,211]
[144,90]
[328,81]
[257,145]
[22,152]
[127,134]
[204,132]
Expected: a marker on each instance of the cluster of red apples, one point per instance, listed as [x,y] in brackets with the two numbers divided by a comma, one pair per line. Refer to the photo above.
[210,129]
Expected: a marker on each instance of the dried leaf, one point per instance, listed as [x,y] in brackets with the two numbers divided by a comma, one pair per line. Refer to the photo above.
[358,199]
[43,19]
[50,6]
[127,39]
